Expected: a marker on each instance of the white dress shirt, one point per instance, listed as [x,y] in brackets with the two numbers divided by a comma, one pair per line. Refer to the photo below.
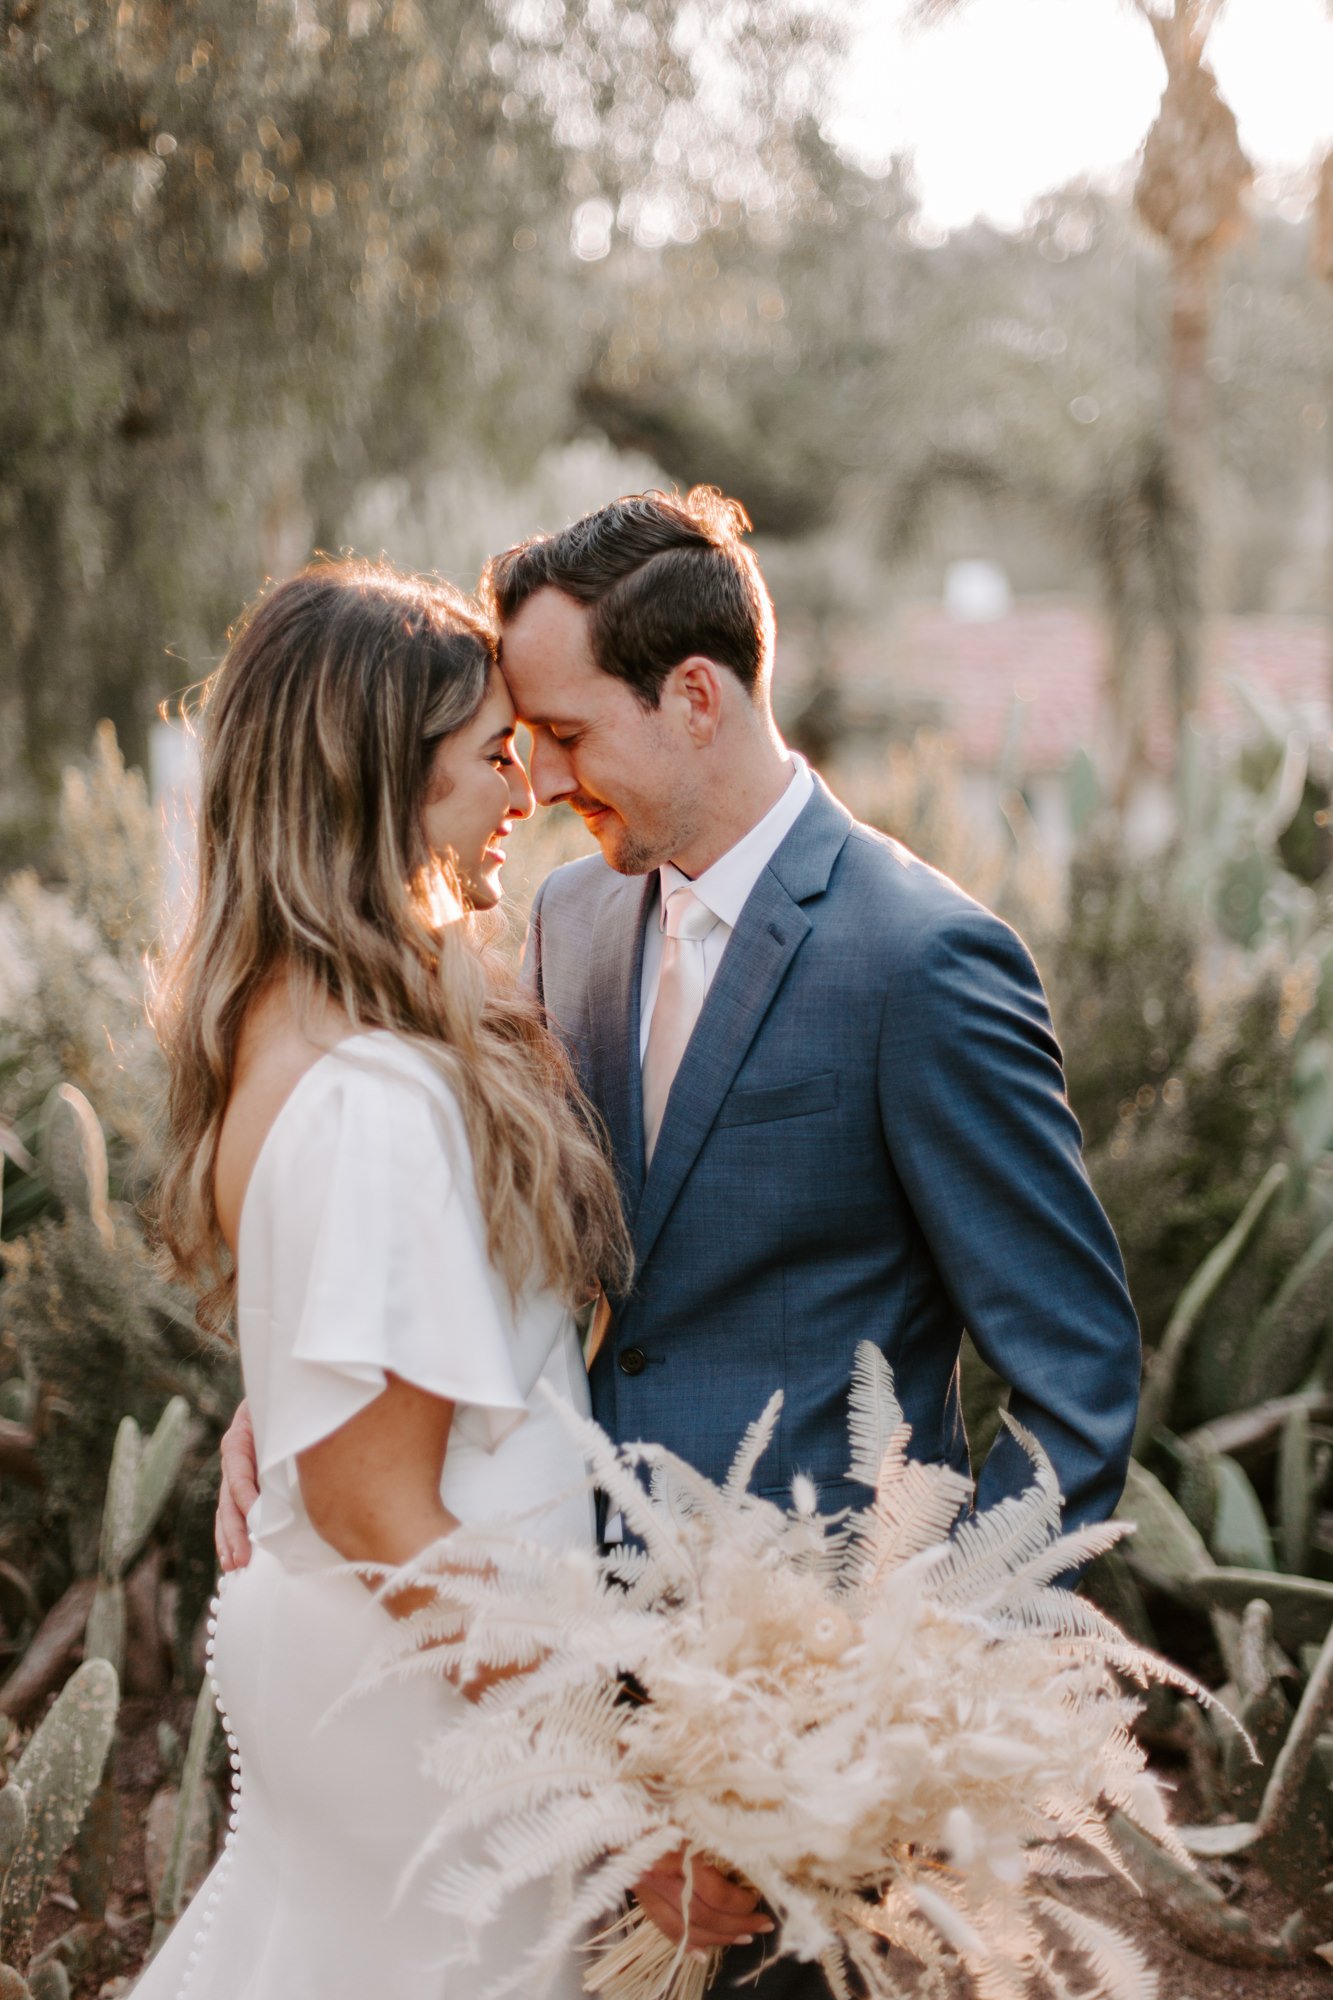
[725,888]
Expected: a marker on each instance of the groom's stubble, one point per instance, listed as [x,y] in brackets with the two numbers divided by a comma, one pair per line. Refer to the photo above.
[633,850]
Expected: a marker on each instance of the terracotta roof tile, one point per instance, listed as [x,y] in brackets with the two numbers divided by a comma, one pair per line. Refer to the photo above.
[1049,655]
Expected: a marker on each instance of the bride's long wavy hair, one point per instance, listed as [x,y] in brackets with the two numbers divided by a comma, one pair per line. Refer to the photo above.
[318,730]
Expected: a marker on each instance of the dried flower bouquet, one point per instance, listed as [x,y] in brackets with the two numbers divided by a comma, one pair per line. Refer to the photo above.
[896,1727]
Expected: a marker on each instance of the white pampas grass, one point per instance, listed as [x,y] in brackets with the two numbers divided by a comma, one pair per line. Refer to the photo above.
[904,1737]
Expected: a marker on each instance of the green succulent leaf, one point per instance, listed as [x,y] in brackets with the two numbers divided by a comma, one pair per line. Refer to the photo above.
[59,1771]
[1240,1536]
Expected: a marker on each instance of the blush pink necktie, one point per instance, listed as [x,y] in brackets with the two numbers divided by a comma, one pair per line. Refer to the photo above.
[680,995]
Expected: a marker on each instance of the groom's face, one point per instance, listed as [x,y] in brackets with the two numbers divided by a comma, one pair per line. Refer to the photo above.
[626,770]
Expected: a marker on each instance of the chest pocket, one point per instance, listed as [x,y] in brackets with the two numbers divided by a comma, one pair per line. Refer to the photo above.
[782,1100]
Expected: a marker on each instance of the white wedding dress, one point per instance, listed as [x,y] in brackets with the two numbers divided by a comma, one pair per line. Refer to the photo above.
[362,1250]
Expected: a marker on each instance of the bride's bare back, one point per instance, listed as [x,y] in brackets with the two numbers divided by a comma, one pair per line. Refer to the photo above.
[273,1052]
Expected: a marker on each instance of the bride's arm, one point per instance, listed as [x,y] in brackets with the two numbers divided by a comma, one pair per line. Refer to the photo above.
[372,1490]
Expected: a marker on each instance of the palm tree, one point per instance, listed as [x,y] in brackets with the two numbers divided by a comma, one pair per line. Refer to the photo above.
[1191,194]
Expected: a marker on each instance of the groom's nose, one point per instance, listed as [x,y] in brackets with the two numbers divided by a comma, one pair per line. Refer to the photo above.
[549,769]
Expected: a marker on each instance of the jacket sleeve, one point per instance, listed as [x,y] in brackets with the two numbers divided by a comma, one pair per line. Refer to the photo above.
[530,965]
[974,1110]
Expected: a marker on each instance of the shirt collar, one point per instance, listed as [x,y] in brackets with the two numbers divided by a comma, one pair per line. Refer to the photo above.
[725,887]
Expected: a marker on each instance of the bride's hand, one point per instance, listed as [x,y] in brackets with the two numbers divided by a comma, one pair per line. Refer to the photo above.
[721,1911]
[238,1492]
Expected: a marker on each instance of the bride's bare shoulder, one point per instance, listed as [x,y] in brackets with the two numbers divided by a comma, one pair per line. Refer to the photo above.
[273,1052]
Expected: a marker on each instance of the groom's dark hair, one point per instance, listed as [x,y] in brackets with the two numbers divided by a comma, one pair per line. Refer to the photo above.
[664,576]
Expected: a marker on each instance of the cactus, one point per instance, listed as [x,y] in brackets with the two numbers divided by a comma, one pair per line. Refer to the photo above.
[1293,1827]
[105,1635]
[1219,1499]
[1302,1605]
[170,1752]
[1197,1912]
[13,1822]
[1196,1488]
[1283,1340]
[1292,1833]
[1295,1490]
[1168,1553]
[1262,1708]
[138,1487]
[58,1773]
[1163,1367]
[1166,1548]
[74,1950]
[191,1802]
[1111,1585]
[1240,1536]
[71,1148]
[1197,1736]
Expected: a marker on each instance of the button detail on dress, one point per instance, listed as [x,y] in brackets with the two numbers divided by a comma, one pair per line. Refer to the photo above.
[218,1879]
[633,1361]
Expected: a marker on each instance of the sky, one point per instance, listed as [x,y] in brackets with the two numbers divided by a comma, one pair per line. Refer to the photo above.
[1015,97]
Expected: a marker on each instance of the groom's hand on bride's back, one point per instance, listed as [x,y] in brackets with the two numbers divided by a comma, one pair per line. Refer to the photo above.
[239,1491]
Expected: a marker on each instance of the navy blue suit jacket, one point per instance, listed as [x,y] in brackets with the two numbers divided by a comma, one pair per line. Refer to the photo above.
[868,1137]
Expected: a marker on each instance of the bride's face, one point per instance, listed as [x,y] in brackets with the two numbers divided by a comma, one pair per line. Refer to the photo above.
[476,788]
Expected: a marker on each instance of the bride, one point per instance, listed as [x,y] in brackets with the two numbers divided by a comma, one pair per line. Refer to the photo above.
[378,1157]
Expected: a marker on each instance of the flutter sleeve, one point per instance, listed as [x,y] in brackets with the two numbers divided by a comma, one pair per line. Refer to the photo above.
[368,1259]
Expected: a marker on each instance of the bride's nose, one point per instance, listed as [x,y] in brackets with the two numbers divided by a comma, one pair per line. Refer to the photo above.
[521,800]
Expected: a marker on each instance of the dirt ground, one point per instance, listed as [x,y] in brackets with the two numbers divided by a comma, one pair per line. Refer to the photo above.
[1184,1975]
[120,1949]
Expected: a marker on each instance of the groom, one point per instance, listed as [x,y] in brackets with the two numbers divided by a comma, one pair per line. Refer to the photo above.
[833,1092]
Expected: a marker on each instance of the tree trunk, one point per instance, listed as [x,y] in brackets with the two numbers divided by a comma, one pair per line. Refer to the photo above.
[42,658]
[1193,285]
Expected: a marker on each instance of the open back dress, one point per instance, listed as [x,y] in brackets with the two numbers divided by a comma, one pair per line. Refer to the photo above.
[361,1252]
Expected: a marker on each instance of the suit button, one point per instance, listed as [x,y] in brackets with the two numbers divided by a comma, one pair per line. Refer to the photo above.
[633,1361]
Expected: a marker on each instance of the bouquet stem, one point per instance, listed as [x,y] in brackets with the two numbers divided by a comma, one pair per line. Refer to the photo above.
[635,1961]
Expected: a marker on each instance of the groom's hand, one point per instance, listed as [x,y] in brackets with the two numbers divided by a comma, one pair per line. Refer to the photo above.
[239,1491]
[721,1912]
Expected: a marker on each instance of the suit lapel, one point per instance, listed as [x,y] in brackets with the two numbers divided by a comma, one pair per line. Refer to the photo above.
[771,930]
[613,1012]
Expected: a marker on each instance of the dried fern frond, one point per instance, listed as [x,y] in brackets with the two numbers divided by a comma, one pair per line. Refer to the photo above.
[891,1724]
[874,1414]
[752,1447]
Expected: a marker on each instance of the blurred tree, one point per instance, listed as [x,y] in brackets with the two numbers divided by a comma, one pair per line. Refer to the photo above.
[1191,190]
[846,374]
[1321,261]
[251,260]
[1321,243]
[248,259]
[843,376]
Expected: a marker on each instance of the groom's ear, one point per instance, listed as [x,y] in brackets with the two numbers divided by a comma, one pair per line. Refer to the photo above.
[695,689]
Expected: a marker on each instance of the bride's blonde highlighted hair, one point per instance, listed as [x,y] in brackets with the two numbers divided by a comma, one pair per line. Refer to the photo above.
[319,729]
